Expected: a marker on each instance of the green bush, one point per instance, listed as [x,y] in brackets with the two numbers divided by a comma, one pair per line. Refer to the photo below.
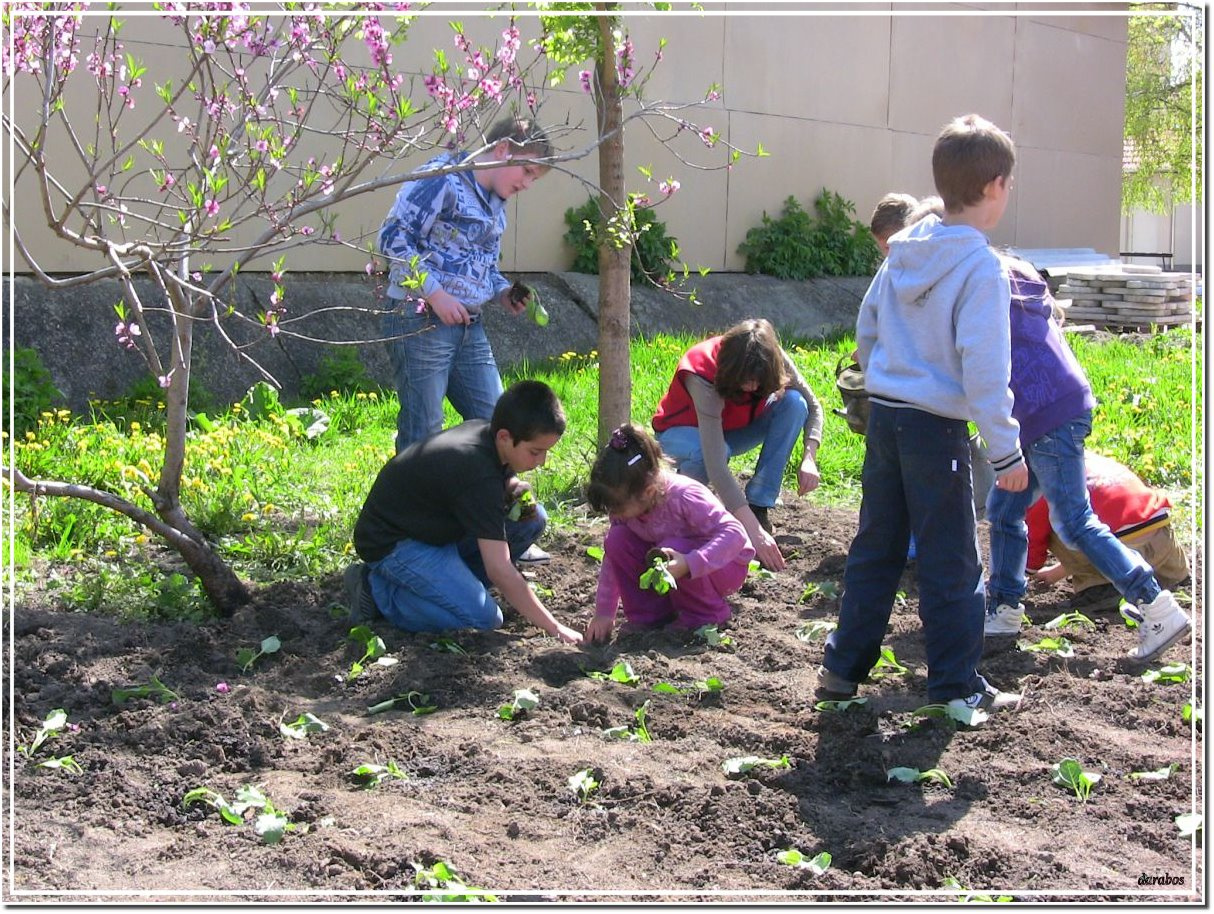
[652,249]
[340,370]
[32,388]
[796,246]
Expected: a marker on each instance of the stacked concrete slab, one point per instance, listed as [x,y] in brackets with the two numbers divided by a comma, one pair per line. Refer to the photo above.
[1126,295]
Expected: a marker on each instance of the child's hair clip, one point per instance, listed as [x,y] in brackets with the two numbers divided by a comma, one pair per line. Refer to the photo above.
[634,458]
[619,440]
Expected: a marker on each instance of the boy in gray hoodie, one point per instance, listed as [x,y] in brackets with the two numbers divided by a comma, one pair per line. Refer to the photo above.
[933,340]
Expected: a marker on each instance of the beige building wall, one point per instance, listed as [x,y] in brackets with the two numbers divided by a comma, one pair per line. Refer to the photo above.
[848,98]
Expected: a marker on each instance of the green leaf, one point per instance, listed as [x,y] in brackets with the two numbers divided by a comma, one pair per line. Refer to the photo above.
[1159,774]
[667,688]
[270,826]
[830,705]
[815,629]
[1189,824]
[595,552]
[303,725]
[745,763]
[905,775]
[271,645]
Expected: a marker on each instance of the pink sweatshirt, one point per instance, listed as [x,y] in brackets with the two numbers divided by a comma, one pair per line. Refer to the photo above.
[689,512]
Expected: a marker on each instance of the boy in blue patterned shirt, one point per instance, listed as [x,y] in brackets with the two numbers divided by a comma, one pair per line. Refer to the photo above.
[447,229]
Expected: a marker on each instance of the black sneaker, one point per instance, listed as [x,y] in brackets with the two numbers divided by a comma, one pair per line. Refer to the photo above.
[359,600]
[1099,598]
[760,514]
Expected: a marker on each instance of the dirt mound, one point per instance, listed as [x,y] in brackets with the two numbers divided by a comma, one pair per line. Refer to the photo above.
[491,797]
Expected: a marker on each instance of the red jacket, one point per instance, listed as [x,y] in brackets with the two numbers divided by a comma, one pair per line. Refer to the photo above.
[677,407]
[1119,498]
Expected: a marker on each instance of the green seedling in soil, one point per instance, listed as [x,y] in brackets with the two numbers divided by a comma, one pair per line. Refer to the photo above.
[524,504]
[583,783]
[657,576]
[524,701]
[1159,774]
[763,574]
[1066,620]
[55,721]
[887,665]
[815,629]
[1172,672]
[1059,647]
[712,636]
[914,775]
[303,725]
[63,763]
[839,705]
[154,688]
[441,876]
[371,775]
[373,649]
[1129,623]
[970,717]
[1069,773]
[1189,714]
[595,552]
[900,598]
[417,702]
[635,734]
[951,882]
[734,767]
[817,864]
[1189,824]
[544,593]
[270,824]
[711,685]
[828,589]
[443,644]
[246,655]
[621,672]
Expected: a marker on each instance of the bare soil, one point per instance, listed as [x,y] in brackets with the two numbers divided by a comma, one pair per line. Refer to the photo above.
[490,797]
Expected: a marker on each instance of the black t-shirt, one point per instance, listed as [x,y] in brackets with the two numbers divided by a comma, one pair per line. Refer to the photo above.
[438,490]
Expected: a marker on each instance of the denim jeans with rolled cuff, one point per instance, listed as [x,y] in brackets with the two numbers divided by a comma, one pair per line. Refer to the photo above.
[1056,470]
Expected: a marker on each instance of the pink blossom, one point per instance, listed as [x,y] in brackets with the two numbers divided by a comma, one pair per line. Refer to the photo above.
[584,76]
[708,136]
[213,152]
[669,187]
[262,146]
[369,268]
[165,379]
[183,124]
[211,207]
[421,306]
[222,688]
[307,230]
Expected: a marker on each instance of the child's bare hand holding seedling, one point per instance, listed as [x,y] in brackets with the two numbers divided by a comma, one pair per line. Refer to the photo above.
[520,500]
[664,567]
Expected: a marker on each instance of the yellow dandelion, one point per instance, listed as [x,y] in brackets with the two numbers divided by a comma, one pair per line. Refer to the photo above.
[374,395]
[141,539]
[30,436]
[267,508]
[248,516]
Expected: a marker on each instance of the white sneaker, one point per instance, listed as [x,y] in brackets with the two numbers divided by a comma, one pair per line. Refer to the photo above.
[1003,620]
[534,555]
[1161,623]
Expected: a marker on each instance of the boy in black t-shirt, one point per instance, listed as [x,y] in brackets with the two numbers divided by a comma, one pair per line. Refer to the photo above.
[434,531]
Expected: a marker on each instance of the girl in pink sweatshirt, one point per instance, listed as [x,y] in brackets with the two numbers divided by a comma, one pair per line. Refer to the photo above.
[654,510]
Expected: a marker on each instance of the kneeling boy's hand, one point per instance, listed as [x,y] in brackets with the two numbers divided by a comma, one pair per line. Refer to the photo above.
[567,634]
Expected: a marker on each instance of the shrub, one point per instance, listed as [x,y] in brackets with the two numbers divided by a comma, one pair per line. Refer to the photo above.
[795,246]
[33,389]
[652,249]
[340,370]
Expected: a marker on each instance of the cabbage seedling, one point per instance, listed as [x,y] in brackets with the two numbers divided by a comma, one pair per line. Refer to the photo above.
[887,665]
[657,576]
[373,649]
[418,703]
[746,763]
[1189,824]
[583,783]
[815,629]
[441,876]
[970,717]
[524,504]
[1173,672]
[1059,647]
[1159,774]
[635,734]
[1189,714]
[1067,620]
[63,763]
[713,637]
[763,574]
[1069,773]
[951,882]
[448,645]
[913,775]
[701,686]
[621,672]
[303,725]
[817,864]
[372,775]
[55,721]
[536,312]
[524,701]
[153,688]
[246,655]
[839,705]
[271,823]
[595,552]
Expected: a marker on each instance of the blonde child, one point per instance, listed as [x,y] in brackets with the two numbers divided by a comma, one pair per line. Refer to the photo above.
[651,508]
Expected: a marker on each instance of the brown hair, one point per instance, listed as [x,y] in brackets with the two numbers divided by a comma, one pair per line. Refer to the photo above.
[891,214]
[928,206]
[750,351]
[524,135]
[970,153]
[631,462]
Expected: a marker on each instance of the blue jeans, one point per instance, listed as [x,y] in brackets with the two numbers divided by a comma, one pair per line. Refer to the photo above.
[777,430]
[433,360]
[916,478]
[1056,470]
[423,588]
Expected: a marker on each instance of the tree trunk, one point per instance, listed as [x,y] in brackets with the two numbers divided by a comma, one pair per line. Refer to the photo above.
[615,294]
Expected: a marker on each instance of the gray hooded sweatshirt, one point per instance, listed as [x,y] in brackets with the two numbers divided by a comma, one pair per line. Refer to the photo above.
[933,332]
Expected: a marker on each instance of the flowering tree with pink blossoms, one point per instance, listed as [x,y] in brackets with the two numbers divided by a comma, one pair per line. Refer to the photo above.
[235,162]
